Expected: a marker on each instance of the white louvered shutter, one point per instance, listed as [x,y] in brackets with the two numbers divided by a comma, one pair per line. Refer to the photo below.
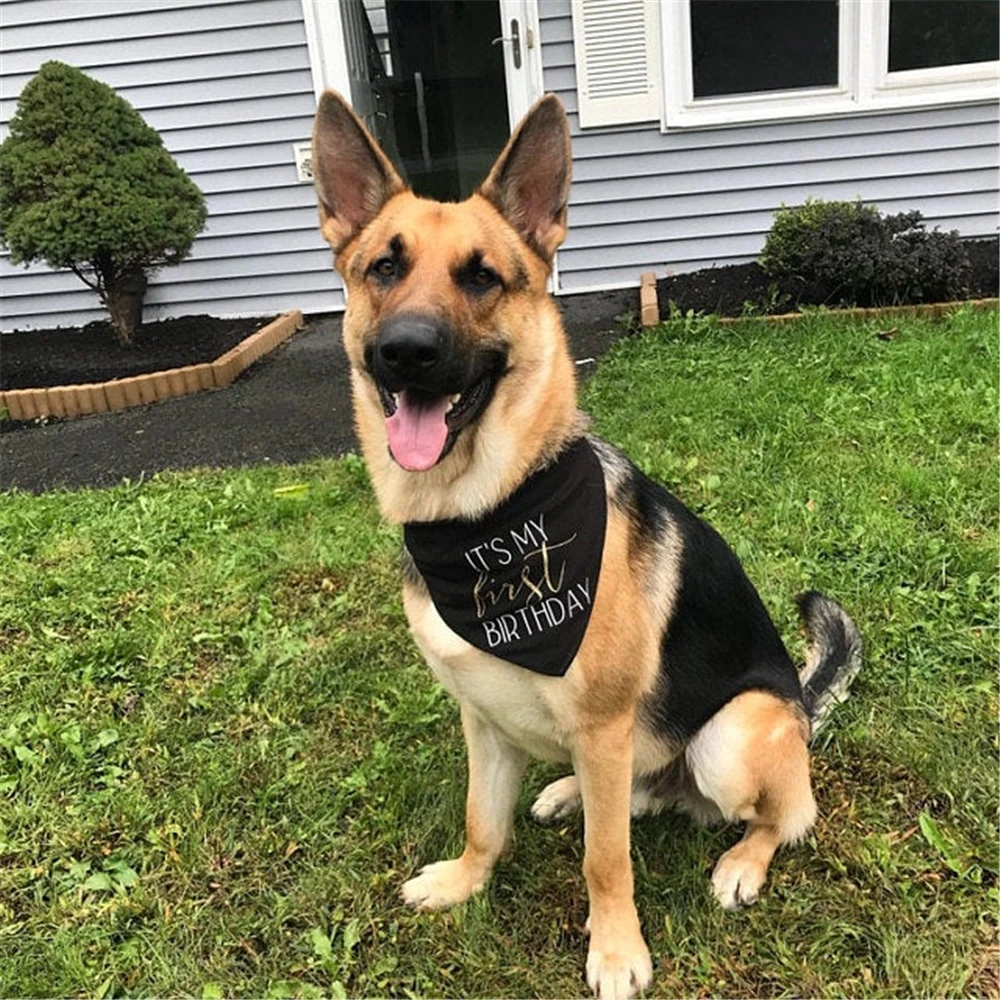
[616,45]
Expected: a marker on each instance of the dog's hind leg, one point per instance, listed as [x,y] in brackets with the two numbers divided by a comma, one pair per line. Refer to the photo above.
[751,760]
[557,800]
[496,767]
[561,799]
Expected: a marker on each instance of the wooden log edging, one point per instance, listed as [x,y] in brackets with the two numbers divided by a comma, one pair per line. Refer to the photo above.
[154,387]
[924,310]
[649,306]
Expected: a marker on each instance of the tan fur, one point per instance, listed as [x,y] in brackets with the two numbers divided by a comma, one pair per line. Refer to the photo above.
[496,766]
[602,759]
[594,716]
[618,666]
[751,760]
[514,433]
[654,563]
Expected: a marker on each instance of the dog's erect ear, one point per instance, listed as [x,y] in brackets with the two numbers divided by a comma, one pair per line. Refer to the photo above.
[529,183]
[353,177]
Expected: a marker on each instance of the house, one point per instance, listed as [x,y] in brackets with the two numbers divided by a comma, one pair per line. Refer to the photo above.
[693,120]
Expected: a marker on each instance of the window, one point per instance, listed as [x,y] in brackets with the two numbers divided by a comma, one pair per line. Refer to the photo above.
[934,52]
[734,61]
[727,62]
[928,33]
[740,46]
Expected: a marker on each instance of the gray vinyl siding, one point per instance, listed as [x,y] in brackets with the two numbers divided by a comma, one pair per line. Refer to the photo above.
[227,83]
[644,200]
[229,86]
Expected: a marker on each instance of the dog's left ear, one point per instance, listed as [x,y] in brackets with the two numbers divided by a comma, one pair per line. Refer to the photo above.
[529,183]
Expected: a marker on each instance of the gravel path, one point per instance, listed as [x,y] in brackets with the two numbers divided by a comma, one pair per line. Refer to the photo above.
[291,406]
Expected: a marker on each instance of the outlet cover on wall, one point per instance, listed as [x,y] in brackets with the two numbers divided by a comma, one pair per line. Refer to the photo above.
[303,161]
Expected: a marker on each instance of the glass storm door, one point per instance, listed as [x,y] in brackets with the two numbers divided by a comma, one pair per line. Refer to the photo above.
[438,82]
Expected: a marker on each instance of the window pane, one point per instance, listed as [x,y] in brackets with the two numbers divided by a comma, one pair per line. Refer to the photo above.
[749,46]
[924,33]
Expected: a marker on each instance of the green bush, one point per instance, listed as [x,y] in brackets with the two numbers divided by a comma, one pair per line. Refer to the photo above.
[850,252]
[86,184]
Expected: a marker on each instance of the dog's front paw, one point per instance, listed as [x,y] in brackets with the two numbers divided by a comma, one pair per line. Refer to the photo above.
[618,965]
[441,885]
[557,800]
[738,877]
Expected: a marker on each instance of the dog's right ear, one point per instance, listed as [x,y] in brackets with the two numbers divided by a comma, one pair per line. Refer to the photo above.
[353,177]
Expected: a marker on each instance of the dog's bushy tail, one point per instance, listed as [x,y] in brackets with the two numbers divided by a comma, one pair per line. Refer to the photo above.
[833,657]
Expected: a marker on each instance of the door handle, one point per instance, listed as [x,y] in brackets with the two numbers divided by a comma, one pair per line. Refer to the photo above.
[515,40]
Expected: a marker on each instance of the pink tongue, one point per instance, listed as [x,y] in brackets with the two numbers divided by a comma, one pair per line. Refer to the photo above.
[417,432]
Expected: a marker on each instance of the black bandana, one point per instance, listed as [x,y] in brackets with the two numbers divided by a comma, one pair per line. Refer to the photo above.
[520,582]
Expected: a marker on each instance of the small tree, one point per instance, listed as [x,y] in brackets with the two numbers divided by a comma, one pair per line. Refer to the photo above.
[86,184]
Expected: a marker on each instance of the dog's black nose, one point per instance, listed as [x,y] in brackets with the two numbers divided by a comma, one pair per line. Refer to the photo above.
[411,349]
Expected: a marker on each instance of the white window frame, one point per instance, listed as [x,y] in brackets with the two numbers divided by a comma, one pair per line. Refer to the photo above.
[920,87]
[864,83]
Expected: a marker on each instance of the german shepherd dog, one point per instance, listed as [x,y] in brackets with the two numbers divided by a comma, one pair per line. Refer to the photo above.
[576,610]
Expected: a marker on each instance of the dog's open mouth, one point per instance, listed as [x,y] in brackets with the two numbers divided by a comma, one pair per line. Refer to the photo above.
[422,428]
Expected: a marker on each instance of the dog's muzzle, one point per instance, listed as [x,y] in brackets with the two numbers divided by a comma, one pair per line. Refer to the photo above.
[430,386]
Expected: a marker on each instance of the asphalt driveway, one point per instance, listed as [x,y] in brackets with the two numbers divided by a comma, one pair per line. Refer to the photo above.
[291,406]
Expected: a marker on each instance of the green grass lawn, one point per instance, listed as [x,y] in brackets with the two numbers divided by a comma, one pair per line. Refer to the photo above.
[221,755]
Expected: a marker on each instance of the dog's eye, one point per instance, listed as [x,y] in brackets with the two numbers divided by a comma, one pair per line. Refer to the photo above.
[384,267]
[475,278]
[483,278]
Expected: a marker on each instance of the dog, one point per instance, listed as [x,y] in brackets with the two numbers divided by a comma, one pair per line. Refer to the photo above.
[576,610]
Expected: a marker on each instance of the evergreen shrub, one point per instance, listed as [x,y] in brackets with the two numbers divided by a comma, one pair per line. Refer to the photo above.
[86,184]
[852,253]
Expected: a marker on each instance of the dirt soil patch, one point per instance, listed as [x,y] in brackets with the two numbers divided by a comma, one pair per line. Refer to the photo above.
[36,359]
[739,288]
[67,356]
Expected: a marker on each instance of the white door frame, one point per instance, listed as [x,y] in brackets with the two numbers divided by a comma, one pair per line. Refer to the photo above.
[524,84]
[328,52]
[327,47]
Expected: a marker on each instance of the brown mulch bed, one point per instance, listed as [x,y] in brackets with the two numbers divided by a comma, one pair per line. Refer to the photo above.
[733,289]
[36,359]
